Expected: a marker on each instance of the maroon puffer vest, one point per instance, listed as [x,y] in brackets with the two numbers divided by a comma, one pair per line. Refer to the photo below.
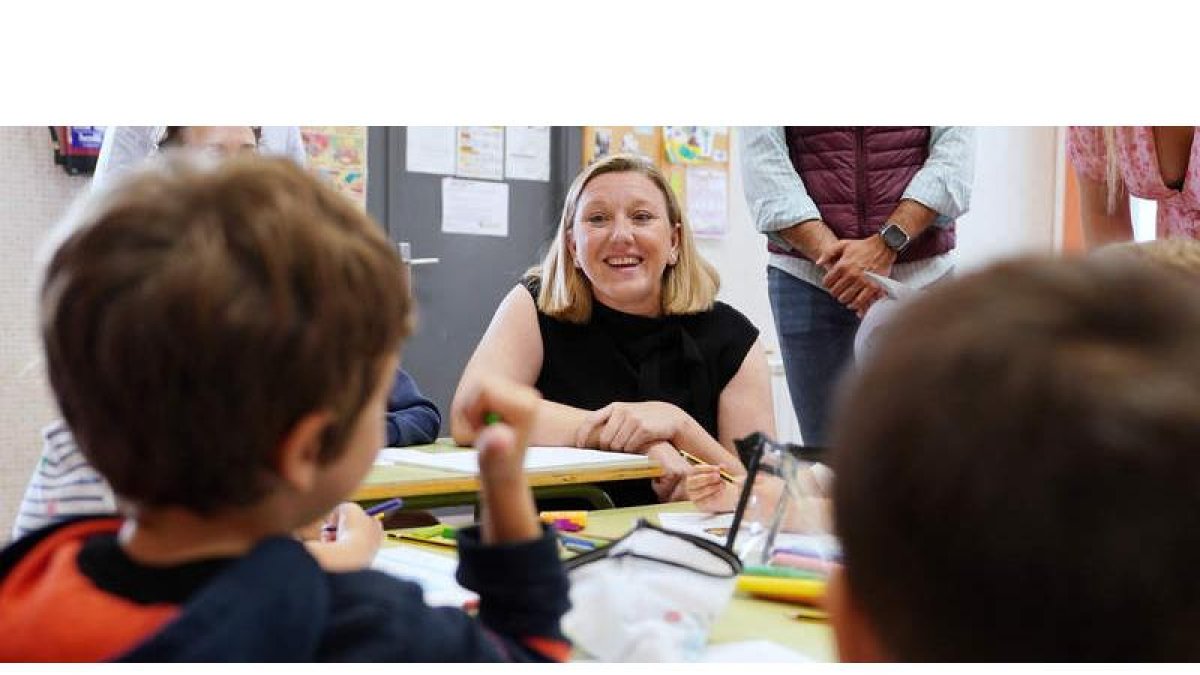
[856,176]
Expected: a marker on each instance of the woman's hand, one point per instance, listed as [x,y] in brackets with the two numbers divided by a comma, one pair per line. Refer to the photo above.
[350,540]
[630,427]
[708,491]
[670,486]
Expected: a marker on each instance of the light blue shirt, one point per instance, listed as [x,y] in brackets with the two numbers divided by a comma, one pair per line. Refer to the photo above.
[778,199]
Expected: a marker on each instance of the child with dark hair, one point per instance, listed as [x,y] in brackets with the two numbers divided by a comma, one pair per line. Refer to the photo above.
[1026,484]
[221,340]
[63,484]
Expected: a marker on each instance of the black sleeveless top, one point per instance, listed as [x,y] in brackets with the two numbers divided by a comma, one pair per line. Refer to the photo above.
[682,359]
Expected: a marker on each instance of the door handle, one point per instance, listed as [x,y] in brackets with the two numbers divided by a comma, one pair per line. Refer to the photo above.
[406,255]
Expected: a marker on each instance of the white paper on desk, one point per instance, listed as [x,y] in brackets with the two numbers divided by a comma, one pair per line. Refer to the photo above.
[715,527]
[430,149]
[481,152]
[537,458]
[432,572]
[527,153]
[474,207]
[752,651]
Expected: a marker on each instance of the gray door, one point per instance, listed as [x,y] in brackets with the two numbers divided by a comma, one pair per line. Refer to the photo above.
[456,296]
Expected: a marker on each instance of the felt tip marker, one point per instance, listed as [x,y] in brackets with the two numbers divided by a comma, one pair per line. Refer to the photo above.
[383,508]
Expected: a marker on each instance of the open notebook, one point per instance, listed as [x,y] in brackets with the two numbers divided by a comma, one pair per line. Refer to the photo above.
[537,458]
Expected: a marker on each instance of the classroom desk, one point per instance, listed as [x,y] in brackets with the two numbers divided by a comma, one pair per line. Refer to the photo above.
[385,482]
[745,618]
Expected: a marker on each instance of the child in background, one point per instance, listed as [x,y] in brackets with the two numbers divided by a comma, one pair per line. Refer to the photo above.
[221,340]
[63,484]
[1026,483]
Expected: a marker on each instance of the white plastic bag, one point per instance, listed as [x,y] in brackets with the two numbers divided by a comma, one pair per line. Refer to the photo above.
[653,595]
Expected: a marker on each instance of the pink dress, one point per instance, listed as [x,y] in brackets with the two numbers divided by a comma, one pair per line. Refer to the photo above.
[1178,210]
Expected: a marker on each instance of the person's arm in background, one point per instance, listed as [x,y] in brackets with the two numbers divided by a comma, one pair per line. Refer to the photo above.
[411,418]
[63,485]
[1089,156]
[285,141]
[939,192]
[511,349]
[122,149]
[778,201]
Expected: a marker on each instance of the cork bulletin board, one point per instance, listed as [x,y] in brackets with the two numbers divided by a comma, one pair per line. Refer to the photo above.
[695,161]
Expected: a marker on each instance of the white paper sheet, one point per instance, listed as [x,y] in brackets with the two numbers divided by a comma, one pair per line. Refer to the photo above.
[527,153]
[430,149]
[752,651]
[474,207]
[481,152]
[432,572]
[707,200]
[537,458]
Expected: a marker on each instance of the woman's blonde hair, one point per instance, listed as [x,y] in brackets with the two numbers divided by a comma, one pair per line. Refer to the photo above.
[1112,169]
[689,286]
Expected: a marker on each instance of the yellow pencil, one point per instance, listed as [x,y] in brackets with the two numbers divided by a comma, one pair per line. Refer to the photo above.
[696,460]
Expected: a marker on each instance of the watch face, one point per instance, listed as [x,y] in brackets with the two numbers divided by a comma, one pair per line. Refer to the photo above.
[894,237]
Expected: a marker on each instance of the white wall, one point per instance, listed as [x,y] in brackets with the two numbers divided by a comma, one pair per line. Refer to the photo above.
[33,194]
[1013,208]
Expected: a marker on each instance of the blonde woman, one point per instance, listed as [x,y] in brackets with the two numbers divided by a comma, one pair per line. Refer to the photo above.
[1158,163]
[620,330]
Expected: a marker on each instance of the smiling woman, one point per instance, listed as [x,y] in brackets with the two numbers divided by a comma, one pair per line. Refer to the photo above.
[620,330]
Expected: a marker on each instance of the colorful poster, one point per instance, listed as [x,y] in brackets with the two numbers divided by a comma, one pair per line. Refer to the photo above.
[339,154]
[693,145]
[481,152]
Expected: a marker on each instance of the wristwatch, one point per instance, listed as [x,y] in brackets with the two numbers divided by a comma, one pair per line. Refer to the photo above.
[894,237]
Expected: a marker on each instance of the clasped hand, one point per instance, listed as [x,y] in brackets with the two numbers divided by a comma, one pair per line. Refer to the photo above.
[845,261]
[630,427]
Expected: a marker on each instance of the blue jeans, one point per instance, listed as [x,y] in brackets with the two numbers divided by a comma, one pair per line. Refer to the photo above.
[816,338]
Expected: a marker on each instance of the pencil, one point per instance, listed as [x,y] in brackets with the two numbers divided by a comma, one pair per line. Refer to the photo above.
[696,460]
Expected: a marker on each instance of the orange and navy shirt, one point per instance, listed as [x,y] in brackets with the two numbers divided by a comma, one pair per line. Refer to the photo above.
[76,596]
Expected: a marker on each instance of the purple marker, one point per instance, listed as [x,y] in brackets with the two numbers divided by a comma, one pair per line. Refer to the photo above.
[377,511]
[383,508]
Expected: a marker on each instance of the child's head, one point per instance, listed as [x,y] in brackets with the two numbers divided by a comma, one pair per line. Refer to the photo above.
[207,326]
[1018,475]
[1180,255]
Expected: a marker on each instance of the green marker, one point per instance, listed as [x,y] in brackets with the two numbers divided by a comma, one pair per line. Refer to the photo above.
[491,418]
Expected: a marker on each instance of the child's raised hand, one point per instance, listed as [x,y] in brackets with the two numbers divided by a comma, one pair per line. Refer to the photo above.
[515,405]
[708,491]
[509,514]
[353,542]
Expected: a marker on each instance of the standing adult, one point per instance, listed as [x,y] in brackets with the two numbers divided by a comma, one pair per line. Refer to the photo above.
[835,202]
[1157,163]
[126,147]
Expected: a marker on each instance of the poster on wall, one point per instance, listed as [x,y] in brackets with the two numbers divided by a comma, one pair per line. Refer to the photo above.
[474,207]
[527,153]
[339,154]
[430,149]
[707,201]
[481,152]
